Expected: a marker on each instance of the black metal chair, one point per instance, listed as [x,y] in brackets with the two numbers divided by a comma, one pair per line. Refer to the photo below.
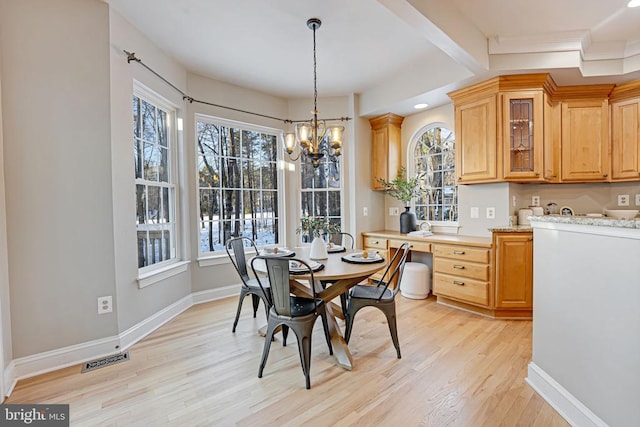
[297,313]
[379,296]
[342,239]
[259,291]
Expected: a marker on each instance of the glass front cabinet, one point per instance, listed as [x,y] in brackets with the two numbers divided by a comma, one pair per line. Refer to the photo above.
[523,136]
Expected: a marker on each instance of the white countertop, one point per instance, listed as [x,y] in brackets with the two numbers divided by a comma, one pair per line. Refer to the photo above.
[584,220]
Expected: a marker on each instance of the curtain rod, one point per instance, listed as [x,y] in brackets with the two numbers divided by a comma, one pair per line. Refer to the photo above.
[131,56]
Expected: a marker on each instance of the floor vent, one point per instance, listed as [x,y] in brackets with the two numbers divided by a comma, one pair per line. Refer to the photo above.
[105,361]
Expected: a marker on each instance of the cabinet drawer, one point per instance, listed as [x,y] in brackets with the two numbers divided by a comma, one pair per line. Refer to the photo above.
[420,246]
[461,268]
[462,253]
[467,290]
[375,243]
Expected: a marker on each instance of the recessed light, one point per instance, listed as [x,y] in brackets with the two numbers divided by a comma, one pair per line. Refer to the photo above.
[421,106]
[634,3]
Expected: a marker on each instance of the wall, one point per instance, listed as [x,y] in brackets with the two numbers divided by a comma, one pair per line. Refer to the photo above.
[55,105]
[5,313]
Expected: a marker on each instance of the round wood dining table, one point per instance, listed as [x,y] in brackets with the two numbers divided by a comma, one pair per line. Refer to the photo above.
[338,276]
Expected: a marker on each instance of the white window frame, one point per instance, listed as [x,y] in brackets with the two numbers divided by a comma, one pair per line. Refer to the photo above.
[411,171]
[150,274]
[212,258]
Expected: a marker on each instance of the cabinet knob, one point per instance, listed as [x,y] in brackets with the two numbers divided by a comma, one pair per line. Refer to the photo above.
[605,175]
[375,242]
[458,282]
[458,266]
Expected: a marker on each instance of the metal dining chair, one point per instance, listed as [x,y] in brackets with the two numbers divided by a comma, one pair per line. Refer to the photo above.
[342,239]
[292,312]
[380,296]
[259,291]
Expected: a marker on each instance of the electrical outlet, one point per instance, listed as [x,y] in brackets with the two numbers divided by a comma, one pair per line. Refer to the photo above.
[105,305]
[535,200]
[514,201]
[365,211]
[394,211]
[637,199]
[623,200]
[475,212]
[491,213]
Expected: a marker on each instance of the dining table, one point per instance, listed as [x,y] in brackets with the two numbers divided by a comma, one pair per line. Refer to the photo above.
[335,278]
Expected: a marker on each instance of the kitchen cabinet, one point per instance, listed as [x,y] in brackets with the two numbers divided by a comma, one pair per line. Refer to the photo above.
[585,133]
[504,130]
[625,132]
[386,148]
[462,273]
[476,133]
[513,262]
[376,244]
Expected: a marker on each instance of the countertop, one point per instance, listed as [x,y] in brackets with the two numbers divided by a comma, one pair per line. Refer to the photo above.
[512,229]
[454,239]
[583,220]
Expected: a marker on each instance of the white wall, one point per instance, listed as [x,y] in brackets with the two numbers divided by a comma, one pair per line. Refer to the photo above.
[5,313]
[55,105]
[134,304]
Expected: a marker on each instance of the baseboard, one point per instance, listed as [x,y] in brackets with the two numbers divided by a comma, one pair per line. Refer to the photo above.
[560,399]
[41,363]
[215,294]
[150,324]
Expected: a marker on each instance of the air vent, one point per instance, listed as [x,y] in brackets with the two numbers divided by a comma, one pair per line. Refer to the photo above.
[105,361]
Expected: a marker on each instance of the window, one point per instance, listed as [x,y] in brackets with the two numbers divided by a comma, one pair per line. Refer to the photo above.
[237,183]
[321,189]
[154,178]
[433,155]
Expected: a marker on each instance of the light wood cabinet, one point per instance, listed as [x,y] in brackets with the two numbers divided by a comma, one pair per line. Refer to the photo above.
[625,132]
[376,244]
[386,147]
[514,270]
[462,273]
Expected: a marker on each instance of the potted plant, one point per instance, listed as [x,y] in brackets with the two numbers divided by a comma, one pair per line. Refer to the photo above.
[314,228]
[404,189]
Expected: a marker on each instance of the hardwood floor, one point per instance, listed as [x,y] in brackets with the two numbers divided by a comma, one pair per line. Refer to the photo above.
[457,369]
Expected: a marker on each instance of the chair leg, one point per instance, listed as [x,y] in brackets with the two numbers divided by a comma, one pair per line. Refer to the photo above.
[256,303]
[243,293]
[393,328]
[325,325]
[304,346]
[343,303]
[285,334]
[267,346]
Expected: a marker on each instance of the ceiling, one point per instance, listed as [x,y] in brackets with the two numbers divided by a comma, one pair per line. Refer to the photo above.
[393,53]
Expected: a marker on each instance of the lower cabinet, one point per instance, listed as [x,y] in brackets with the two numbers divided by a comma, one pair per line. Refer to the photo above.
[376,244]
[514,271]
[462,273]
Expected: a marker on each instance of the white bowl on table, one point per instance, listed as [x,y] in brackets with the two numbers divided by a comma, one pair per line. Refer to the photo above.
[621,213]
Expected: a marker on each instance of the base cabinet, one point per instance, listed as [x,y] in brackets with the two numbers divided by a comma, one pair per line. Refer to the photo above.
[514,270]
[462,273]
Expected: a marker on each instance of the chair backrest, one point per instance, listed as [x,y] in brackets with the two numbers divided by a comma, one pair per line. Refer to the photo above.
[235,249]
[278,272]
[394,270]
[343,239]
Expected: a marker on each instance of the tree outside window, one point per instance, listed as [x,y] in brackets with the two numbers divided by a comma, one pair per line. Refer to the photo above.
[434,158]
[237,183]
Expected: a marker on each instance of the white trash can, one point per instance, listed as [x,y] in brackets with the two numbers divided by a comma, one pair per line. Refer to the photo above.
[416,281]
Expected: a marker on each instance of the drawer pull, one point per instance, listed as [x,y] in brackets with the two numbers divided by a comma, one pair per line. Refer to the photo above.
[458,266]
[375,242]
[458,282]
[458,252]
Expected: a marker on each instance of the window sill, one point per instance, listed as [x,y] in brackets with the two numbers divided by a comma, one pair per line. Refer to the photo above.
[155,276]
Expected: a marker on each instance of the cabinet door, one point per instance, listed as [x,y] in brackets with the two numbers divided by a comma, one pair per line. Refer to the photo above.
[625,139]
[514,270]
[585,140]
[523,135]
[385,149]
[476,140]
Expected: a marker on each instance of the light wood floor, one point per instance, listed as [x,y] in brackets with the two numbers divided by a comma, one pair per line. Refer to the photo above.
[457,369]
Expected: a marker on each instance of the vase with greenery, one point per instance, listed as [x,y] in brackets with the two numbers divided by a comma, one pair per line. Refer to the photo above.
[404,189]
[314,228]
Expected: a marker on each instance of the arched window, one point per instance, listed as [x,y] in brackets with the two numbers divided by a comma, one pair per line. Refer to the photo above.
[432,156]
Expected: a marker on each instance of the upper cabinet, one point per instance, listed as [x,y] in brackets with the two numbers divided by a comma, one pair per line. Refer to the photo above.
[585,132]
[625,132]
[503,126]
[386,147]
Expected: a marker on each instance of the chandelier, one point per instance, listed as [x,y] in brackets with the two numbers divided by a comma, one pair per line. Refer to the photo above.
[309,134]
